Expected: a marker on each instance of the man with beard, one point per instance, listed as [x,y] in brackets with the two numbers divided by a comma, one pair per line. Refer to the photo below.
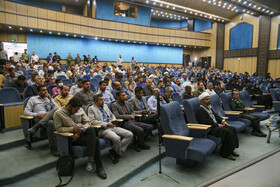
[63,98]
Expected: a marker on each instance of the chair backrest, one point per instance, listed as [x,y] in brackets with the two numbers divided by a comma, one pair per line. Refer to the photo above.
[172,119]
[25,102]
[92,88]
[9,95]
[226,98]
[67,82]
[62,77]
[190,108]
[94,82]
[263,89]
[273,92]
[147,98]
[98,77]
[49,88]
[246,98]
[277,85]
[176,97]
[217,105]
[6,84]
[86,111]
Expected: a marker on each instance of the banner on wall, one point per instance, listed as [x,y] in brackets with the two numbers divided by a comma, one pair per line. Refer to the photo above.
[11,48]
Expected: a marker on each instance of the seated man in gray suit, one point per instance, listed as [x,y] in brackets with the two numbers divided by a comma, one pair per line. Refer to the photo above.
[139,105]
[100,114]
[122,110]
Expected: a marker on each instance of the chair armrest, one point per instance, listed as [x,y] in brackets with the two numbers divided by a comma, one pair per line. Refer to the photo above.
[153,112]
[250,109]
[138,115]
[1,104]
[96,126]
[177,137]
[66,134]
[199,125]
[258,106]
[26,117]
[266,93]
[225,118]
[233,112]
[119,120]
[275,101]
[227,90]
[176,146]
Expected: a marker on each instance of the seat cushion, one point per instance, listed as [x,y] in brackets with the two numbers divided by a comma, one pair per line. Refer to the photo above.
[81,151]
[217,140]
[246,121]
[263,115]
[200,148]
[238,125]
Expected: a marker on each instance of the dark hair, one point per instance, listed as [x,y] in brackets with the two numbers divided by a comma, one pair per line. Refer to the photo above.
[188,87]
[138,89]
[119,76]
[80,80]
[96,96]
[160,81]
[21,78]
[11,69]
[106,79]
[118,94]
[75,102]
[39,87]
[85,81]
[101,82]
[57,80]
[46,75]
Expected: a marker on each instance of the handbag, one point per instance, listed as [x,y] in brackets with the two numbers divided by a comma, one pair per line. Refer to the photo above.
[65,167]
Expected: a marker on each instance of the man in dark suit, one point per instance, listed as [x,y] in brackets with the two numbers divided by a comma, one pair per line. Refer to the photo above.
[139,105]
[32,90]
[220,128]
[122,110]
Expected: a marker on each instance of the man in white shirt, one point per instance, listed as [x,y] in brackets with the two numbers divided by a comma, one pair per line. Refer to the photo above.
[190,83]
[210,89]
[34,57]
[59,73]
[16,57]
[120,61]
[77,88]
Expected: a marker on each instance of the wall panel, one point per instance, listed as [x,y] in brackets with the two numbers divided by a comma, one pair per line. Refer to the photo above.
[22,21]
[245,64]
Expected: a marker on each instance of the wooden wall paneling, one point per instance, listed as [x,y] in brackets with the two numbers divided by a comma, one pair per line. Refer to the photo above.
[155,31]
[154,38]
[98,23]
[11,19]
[2,5]
[99,32]
[21,9]
[137,37]
[76,19]
[125,27]
[32,11]
[91,22]
[77,29]
[68,18]
[2,17]
[10,6]
[22,21]
[248,65]
[52,15]
[91,31]
[52,25]
[21,38]
[149,38]
[178,40]
[118,26]
[60,26]
[68,27]
[32,22]
[149,30]
[172,33]
[106,24]
[172,40]
[143,30]
[42,13]
[60,16]
[162,39]
[112,25]
[119,34]
[166,39]
[220,45]
[84,30]
[3,37]
[42,24]
[144,38]
[277,73]
[85,21]
[112,34]
[254,65]
[272,67]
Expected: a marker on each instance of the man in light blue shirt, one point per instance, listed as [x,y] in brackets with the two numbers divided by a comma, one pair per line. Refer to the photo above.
[108,97]
[152,101]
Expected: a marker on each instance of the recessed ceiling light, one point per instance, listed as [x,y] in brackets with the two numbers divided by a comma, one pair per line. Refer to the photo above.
[146,43]
[154,3]
[152,10]
[163,44]
[244,10]
[263,9]
[252,13]
[134,42]
[50,32]
[20,29]
[75,35]
[259,8]
[10,27]
[160,4]
[109,39]
[82,36]
[271,13]
[59,34]
[41,31]
[157,43]
[66,34]
[116,40]
[102,38]
[96,38]
[128,41]
[154,13]
[140,42]
[185,10]
[250,4]
[223,20]
[173,8]
[147,1]
[254,6]
[122,41]
[245,2]
[31,30]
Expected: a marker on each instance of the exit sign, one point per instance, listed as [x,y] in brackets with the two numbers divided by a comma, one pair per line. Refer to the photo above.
[12,40]
[204,55]
[186,53]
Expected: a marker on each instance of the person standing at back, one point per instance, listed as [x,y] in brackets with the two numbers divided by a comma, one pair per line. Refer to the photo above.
[25,56]
[120,61]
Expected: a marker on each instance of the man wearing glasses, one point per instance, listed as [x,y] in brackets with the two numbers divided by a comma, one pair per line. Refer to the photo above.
[42,108]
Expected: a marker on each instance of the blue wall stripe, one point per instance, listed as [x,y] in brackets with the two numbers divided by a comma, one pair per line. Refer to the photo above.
[105,10]
[200,25]
[42,4]
[241,36]
[104,50]
[169,24]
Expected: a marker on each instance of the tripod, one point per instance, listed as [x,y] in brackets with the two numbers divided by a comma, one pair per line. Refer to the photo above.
[160,141]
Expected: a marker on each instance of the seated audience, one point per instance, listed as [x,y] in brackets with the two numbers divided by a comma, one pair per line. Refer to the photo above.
[188,93]
[63,98]
[129,80]
[107,96]
[31,81]
[122,110]
[32,90]
[237,104]
[118,88]
[76,88]
[219,127]
[85,95]
[59,84]
[12,75]
[179,87]
[139,105]
[168,94]
[20,84]
[100,114]
[220,88]
[148,88]
[103,72]
[72,118]
[42,108]
[210,89]
[152,101]
[140,82]
[58,72]
[199,90]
